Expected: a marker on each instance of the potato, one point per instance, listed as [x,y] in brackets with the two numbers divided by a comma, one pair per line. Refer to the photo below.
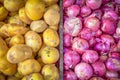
[50,72]
[33,76]
[13,13]
[38,26]
[12,78]
[54,27]
[52,17]
[17,39]
[29,66]
[40,61]
[49,55]
[6,67]
[23,16]
[3,13]
[3,48]
[18,75]
[54,6]
[13,29]
[50,2]
[2,77]
[33,40]
[35,9]
[7,40]
[51,38]
[13,5]
[1,24]
[19,53]
[16,20]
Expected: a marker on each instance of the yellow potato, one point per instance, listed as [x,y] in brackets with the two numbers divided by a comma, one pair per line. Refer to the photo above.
[52,17]
[19,53]
[51,38]
[3,48]
[7,40]
[3,13]
[49,55]
[33,76]
[13,5]
[33,40]
[2,77]
[13,29]
[50,72]
[54,6]
[50,2]
[35,9]
[17,39]
[38,26]
[12,78]
[18,75]
[29,66]
[54,27]
[6,67]
[23,16]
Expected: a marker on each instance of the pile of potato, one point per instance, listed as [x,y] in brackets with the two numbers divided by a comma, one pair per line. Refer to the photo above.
[29,39]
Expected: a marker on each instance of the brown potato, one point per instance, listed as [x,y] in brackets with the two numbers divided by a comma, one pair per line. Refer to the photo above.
[19,53]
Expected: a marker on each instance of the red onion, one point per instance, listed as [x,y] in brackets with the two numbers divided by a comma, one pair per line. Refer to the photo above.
[111,74]
[97,14]
[118,31]
[108,6]
[113,79]
[80,45]
[99,68]
[70,75]
[71,59]
[117,1]
[67,3]
[72,26]
[96,78]
[108,26]
[83,71]
[85,11]
[94,4]
[118,45]
[92,42]
[67,40]
[66,49]
[113,64]
[114,54]
[92,23]
[117,9]
[73,10]
[98,33]
[90,56]
[80,2]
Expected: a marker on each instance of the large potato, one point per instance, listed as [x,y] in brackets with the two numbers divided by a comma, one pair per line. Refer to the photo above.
[33,40]
[52,17]
[51,38]
[35,9]
[49,55]
[50,72]
[3,48]
[33,76]
[3,13]
[50,2]
[23,16]
[19,53]
[29,66]
[13,29]
[17,39]
[13,5]
[2,77]
[38,26]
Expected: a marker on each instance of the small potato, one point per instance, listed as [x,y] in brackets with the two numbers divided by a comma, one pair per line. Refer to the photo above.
[50,2]
[33,40]
[50,72]
[2,77]
[13,5]
[23,16]
[54,6]
[38,26]
[33,76]
[17,39]
[49,55]
[12,78]
[51,38]
[3,48]
[29,66]
[52,17]
[19,53]
[13,29]
[35,9]
[54,27]
[3,13]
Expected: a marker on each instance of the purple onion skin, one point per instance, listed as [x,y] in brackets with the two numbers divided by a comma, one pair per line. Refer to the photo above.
[112,74]
[67,3]
[67,40]
[113,64]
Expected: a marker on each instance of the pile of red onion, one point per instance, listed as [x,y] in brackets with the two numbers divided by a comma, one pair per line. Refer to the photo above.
[91,39]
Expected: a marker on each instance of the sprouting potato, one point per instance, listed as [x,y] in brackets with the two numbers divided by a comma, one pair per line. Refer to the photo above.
[3,13]
[19,53]
[50,2]
[13,5]
[17,39]
[34,9]
[23,16]
[38,26]
[51,38]
[29,66]
[33,40]
[52,17]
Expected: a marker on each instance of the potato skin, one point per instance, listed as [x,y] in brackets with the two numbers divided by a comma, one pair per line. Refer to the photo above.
[51,38]
[19,53]
[33,40]
[38,26]
[52,17]
[29,66]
